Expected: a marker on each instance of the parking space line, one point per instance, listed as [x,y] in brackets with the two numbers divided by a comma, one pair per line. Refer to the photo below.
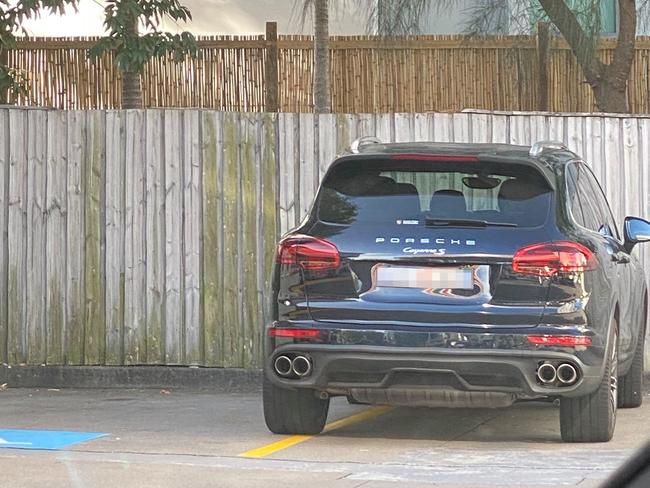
[274,447]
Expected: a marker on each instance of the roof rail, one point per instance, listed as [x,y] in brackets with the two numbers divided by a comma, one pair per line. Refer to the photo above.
[355,147]
[541,146]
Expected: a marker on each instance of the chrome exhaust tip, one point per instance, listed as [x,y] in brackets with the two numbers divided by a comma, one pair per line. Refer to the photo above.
[301,366]
[546,373]
[282,365]
[567,374]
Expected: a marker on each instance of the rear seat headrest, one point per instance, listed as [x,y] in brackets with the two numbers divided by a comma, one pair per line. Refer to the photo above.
[448,204]
[519,189]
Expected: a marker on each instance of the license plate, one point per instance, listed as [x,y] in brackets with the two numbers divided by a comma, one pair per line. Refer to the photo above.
[435,278]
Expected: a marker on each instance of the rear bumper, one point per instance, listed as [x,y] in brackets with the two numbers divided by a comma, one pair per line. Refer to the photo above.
[366,370]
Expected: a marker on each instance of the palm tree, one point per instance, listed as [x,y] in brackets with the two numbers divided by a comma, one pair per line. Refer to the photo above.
[318,10]
[322,102]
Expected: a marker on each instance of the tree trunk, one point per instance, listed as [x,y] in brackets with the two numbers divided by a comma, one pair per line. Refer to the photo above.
[608,82]
[131,86]
[322,103]
[611,96]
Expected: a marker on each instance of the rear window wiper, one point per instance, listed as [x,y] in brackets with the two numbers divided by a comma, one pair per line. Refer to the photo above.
[429,222]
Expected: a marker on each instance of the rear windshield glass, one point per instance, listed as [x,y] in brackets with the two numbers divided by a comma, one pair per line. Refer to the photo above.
[426,191]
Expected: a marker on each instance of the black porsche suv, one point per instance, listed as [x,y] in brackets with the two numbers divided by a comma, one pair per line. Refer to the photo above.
[458,275]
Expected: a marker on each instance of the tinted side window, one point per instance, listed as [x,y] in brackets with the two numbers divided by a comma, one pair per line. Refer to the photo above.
[606,216]
[592,219]
[572,194]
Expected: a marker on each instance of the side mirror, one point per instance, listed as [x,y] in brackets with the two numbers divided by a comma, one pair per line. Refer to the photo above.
[635,230]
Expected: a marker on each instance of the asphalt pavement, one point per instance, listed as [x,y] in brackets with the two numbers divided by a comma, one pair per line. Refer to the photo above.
[171,438]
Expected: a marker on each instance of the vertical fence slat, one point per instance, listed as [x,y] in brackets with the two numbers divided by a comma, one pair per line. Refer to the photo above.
[270,228]
[422,128]
[289,170]
[632,174]
[480,127]
[213,224]
[4,214]
[538,128]
[346,129]
[366,125]
[250,328]
[385,127]
[593,146]
[155,238]
[644,251]
[56,209]
[556,128]
[135,257]
[499,129]
[75,251]
[326,145]
[174,337]
[231,222]
[37,142]
[192,237]
[16,299]
[94,277]
[308,170]
[575,138]
[614,166]
[461,127]
[519,130]
[115,168]
[404,127]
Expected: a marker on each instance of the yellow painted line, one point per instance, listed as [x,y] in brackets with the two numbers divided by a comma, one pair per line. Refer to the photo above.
[274,447]
[356,418]
[264,451]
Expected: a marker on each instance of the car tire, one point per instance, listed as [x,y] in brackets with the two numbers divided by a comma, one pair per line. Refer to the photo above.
[592,418]
[293,411]
[630,386]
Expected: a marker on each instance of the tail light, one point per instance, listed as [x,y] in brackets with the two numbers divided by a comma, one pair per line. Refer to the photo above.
[296,333]
[559,340]
[310,253]
[551,258]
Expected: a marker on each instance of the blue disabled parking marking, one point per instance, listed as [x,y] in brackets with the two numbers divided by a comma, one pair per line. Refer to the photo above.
[43,439]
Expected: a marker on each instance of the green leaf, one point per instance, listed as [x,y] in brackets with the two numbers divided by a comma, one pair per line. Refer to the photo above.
[132,50]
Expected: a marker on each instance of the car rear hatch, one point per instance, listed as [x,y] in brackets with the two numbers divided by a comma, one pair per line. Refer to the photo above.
[429,241]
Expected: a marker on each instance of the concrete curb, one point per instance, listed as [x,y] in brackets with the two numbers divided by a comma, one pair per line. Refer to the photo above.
[224,380]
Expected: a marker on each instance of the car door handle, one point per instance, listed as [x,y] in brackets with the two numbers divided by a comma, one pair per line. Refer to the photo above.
[620,257]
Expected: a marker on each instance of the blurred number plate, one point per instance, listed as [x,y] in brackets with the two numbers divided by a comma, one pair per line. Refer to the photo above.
[429,277]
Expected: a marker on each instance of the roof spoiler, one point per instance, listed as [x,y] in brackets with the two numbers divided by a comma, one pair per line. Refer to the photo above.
[539,147]
[357,145]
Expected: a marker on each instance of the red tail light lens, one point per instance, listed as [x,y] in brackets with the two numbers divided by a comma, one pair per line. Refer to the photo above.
[309,253]
[551,258]
[559,340]
[298,333]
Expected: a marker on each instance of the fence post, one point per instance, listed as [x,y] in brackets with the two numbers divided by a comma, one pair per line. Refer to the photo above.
[542,61]
[271,68]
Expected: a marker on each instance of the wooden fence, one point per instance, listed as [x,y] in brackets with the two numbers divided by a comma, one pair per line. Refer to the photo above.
[146,237]
[414,74]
